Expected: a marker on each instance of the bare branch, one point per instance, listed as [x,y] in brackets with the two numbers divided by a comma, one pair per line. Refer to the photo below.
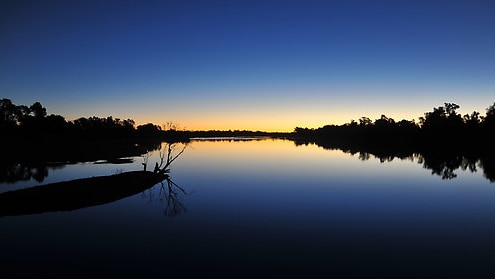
[162,156]
[170,157]
[145,160]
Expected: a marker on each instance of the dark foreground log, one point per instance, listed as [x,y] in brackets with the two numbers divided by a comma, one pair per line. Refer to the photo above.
[76,194]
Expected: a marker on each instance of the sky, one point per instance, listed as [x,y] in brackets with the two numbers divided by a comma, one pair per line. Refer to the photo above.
[255,65]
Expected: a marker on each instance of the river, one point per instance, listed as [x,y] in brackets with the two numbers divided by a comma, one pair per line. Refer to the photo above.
[263,208]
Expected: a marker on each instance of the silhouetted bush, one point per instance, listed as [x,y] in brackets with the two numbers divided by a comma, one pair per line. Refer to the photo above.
[442,128]
[443,140]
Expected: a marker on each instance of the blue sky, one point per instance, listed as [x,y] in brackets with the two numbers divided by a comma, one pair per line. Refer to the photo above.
[261,65]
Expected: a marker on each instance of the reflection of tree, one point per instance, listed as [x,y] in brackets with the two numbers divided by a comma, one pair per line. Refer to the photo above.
[363,156]
[168,153]
[13,172]
[488,165]
[170,193]
[25,164]
[443,164]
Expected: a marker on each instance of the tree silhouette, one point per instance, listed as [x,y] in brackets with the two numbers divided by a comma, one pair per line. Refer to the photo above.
[442,120]
[38,110]
[489,119]
[8,115]
[446,139]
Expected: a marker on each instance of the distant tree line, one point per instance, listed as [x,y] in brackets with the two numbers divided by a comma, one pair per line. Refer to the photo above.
[441,130]
[20,121]
[443,140]
[27,122]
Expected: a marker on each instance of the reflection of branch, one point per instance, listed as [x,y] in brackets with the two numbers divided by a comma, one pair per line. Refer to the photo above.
[174,206]
[171,195]
[171,183]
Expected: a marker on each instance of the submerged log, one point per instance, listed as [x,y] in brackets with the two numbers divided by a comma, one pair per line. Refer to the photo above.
[76,194]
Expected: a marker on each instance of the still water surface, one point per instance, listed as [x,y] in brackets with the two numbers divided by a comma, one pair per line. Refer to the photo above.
[265,207]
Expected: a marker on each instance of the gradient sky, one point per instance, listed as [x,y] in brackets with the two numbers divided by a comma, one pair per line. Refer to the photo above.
[258,65]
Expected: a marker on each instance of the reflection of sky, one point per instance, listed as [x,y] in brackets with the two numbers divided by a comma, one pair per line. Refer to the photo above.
[278,180]
[268,65]
[270,202]
[275,159]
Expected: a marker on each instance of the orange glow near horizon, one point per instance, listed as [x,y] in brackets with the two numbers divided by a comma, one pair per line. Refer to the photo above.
[273,116]
[275,123]
[262,121]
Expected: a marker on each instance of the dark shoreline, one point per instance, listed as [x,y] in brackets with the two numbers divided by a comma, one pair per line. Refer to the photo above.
[32,160]
[76,194]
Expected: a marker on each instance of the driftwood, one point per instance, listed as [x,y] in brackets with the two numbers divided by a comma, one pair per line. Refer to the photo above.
[164,166]
[80,193]
[76,194]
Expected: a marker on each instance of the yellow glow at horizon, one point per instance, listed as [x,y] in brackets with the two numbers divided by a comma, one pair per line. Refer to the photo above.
[257,149]
[269,122]
[282,120]
[278,112]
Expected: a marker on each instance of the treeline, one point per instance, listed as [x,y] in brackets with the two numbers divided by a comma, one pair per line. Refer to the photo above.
[441,130]
[28,122]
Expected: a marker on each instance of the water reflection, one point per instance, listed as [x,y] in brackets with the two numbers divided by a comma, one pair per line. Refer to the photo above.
[22,166]
[269,206]
[170,193]
[13,172]
[443,164]
[231,139]
[97,190]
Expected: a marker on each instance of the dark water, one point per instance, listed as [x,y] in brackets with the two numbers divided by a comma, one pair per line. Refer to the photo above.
[264,209]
